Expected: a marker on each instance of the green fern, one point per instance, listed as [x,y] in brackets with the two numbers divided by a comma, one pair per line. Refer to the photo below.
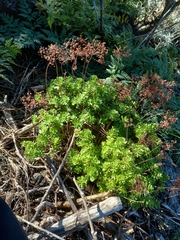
[54,37]
[8,53]
[28,30]
[149,60]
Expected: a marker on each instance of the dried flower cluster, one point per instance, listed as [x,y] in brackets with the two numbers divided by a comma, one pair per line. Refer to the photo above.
[123,91]
[74,49]
[30,102]
[121,52]
[53,53]
[128,123]
[167,122]
[167,146]
[155,90]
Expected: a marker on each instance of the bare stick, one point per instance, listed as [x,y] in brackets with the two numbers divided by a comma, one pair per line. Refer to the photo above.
[55,176]
[19,132]
[73,206]
[44,204]
[39,228]
[95,197]
[22,85]
[6,111]
[70,201]
[25,172]
[94,234]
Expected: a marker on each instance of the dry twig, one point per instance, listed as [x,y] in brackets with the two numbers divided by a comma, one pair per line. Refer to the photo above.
[79,220]
[74,208]
[40,229]
[55,176]
[94,234]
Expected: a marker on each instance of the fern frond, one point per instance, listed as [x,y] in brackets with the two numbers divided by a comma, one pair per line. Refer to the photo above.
[5,78]
[14,50]
[8,53]
[30,31]
[50,36]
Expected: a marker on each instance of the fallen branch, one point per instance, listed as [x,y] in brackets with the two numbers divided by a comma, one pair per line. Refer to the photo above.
[79,220]
[96,197]
[17,133]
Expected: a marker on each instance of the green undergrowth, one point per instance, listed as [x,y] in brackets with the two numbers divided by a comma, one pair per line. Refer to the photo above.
[115,148]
